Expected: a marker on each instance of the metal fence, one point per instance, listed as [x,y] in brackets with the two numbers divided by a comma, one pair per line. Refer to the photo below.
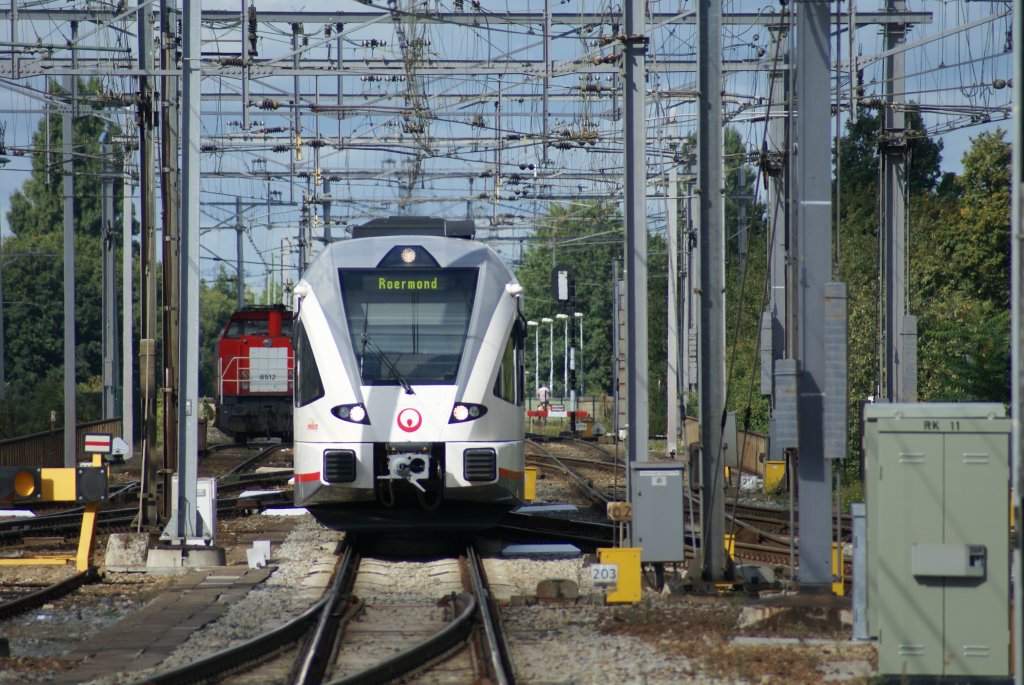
[46,449]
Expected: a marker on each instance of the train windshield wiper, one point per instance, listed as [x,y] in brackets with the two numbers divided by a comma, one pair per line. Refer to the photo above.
[381,355]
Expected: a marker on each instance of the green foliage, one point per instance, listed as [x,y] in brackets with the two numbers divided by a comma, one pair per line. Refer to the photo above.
[27,408]
[33,276]
[964,351]
[746,278]
[958,275]
[587,237]
[858,197]
[961,265]
[596,233]
[972,240]
[33,281]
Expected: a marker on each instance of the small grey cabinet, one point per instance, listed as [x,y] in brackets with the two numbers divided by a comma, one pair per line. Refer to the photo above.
[656,491]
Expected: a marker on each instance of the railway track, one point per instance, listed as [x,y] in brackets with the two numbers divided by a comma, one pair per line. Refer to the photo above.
[28,599]
[597,497]
[458,639]
[762,533]
[272,644]
[347,639]
[55,527]
[233,466]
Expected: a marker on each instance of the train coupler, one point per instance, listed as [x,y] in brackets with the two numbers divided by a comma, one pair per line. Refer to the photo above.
[408,467]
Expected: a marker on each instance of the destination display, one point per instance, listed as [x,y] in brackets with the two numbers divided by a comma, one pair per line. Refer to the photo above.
[406,283]
[407,280]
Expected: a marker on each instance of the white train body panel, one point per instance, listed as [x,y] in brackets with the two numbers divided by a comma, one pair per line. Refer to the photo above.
[447,326]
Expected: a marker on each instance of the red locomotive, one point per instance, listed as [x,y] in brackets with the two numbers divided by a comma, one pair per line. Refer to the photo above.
[253,375]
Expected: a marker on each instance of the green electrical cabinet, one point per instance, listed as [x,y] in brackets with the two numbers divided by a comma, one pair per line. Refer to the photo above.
[938,488]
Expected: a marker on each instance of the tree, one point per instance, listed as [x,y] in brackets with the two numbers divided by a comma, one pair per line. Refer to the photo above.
[32,261]
[858,193]
[962,270]
[588,238]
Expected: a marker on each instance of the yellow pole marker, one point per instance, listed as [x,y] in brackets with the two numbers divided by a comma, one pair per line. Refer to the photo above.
[838,571]
[88,534]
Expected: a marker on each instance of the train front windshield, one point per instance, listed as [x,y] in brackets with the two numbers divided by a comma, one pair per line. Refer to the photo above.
[408,325]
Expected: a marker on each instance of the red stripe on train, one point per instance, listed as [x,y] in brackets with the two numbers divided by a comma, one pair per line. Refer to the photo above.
[514,475]
[307,477]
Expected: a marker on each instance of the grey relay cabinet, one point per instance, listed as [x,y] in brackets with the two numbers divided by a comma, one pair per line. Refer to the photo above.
[938,488]
[656,491]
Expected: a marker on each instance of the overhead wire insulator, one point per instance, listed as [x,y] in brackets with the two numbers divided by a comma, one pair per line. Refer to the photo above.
[252,31]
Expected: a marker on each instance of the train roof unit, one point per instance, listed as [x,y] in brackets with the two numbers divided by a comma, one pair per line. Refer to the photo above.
[415,225]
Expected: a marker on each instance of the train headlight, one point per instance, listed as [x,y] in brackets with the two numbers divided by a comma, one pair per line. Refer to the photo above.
[463,412]
[353,413]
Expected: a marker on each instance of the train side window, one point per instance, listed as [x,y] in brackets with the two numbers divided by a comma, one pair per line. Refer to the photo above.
[505,384]
[519,336]
[308,386]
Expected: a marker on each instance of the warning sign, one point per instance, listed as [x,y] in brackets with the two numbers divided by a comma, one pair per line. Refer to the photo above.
[98,443]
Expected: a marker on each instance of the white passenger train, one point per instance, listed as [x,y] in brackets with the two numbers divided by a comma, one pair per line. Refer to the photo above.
[408,379]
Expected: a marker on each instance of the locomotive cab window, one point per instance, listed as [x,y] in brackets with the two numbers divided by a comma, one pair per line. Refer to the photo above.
[239,328]
[408,324]
[308,386]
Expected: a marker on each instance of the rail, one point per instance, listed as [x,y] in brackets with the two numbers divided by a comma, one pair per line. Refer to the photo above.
[598,499]
[268,644]
[31,600]
[478,604]
[499,658]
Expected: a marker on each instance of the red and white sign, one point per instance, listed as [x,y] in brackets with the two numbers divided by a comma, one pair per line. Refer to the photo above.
[409,420]
[98,443]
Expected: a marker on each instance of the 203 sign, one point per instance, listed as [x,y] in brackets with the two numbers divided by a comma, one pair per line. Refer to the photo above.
[604,574]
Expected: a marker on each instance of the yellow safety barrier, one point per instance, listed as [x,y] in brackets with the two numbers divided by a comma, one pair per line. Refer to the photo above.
[530,483]
[85,484]
[628,590]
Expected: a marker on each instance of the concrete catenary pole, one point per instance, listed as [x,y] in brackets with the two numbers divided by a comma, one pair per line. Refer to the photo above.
[187,524]
[900,333]
[711,244]
[239,254]
[1017,364]
[108,338]
[813,263]
[634,47]
[672,351]
[70,407]
[150,503]
[127,259]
